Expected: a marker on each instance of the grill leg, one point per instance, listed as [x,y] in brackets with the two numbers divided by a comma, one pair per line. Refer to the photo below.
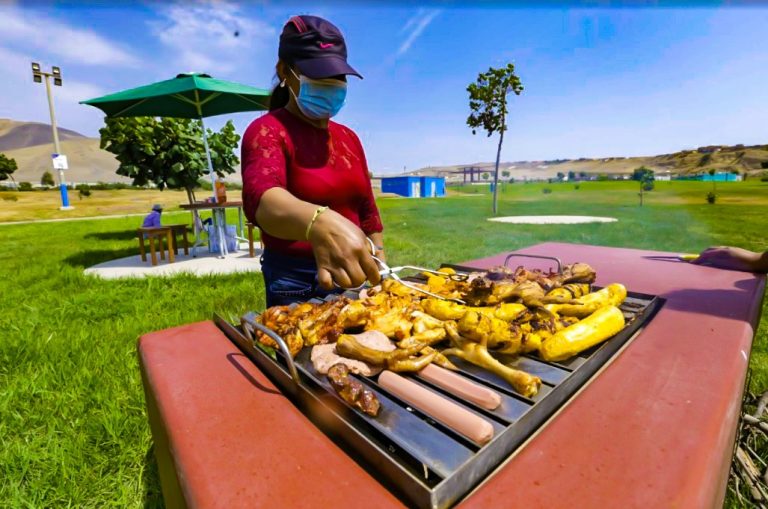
[186,241]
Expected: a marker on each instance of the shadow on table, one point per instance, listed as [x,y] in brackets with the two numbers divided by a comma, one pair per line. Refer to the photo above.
[237,360]
[153,493]
[94,257]
[725,302]
[114,235]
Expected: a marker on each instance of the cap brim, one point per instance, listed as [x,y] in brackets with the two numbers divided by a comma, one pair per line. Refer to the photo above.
[326,67]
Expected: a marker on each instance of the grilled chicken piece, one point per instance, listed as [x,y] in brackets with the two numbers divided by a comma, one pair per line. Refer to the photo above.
[397,360]
[524,383]
[302,324]
[497,334]
[352,391]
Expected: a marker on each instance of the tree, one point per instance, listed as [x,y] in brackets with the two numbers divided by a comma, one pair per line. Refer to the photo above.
[168,152]
[7,167]
[485,175]
[646,177]
[505,173]
[571,175]
[47,179]
[560,176]
[488,108]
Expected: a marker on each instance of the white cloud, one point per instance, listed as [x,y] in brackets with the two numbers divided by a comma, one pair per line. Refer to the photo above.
[416,25]
[25,100]
[211,36]
[57,39]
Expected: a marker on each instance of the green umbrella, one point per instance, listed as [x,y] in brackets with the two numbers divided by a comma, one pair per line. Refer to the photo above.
[191,95]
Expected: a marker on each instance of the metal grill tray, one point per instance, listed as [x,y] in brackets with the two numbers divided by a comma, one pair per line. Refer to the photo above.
[424,463]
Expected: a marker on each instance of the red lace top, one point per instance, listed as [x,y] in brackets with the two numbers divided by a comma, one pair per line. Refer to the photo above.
[322,166]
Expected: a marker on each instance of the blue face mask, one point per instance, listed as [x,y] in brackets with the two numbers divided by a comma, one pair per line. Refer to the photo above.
[320,99]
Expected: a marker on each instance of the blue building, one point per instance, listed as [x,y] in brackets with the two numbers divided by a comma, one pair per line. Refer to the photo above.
[409,187]
[717,177]
[414,187]
[432,187]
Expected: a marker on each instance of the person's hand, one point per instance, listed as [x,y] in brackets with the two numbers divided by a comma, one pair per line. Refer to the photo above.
[342,252]
[732,258]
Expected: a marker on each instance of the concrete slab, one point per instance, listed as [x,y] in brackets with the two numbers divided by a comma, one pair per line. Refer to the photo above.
[205,264]
[553,219]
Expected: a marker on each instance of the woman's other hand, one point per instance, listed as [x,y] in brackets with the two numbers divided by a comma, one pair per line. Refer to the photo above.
[342,252]
[732,258]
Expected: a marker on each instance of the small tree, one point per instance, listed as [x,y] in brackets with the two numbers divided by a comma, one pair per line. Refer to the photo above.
[488,108]
[485,175]
[47,179]
[560,176]
[505,174]
[571,175]
[714,182]
[7,167]
[168,152]
[646,177]
[83,190]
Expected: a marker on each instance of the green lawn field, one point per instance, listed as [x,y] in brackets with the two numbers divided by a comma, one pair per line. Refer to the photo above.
[72,421]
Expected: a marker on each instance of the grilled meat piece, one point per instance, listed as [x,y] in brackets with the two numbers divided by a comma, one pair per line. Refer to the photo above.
[352,391]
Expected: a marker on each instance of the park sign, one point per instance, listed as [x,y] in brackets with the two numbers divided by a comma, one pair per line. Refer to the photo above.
[59,162]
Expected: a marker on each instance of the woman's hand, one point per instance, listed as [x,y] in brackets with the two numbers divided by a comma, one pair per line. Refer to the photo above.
[342,252]
[732,258]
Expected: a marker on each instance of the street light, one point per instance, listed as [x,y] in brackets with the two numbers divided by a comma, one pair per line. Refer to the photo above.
[59,161]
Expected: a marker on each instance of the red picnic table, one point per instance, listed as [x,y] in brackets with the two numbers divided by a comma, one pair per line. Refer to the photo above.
[654,428]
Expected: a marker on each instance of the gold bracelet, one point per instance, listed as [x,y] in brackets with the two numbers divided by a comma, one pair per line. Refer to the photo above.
[317,213]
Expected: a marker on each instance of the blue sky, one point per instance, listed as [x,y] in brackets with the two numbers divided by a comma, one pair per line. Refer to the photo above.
[598,82]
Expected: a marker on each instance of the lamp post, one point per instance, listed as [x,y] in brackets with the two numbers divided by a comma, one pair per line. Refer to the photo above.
[59,163]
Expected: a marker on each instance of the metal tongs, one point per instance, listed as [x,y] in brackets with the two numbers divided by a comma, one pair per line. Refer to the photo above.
[385,271]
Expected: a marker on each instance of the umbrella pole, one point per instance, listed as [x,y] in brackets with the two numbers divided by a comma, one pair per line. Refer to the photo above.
[208,157]
[219,220]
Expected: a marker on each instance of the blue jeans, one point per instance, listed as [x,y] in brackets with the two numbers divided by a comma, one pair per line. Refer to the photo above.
[289,279]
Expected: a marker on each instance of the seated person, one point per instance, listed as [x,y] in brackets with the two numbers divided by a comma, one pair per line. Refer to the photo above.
[733,258]
[152,220]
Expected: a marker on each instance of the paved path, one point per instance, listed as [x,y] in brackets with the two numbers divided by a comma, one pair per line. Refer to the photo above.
[89,218]
[205,264]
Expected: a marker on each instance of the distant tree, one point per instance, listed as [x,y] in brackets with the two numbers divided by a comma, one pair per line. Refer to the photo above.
[485,175]
[505,173]
[83,190]
[571,175]
[25,186]
[47,179]
[488,108]
[582,174]
[7,167]
[712,173]
[646,177]
[560,176]
[643,174]
[168,152]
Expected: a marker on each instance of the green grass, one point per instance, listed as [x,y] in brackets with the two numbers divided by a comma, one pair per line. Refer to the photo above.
[72,421]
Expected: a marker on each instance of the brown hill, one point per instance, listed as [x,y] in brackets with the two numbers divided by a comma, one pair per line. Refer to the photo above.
[87,162]
[15,134]
[738,158]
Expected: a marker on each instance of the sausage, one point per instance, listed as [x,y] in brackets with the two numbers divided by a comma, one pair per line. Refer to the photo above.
[452,415]
[461,387]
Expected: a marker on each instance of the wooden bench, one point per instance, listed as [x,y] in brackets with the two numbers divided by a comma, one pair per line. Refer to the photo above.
[176,229]
[152,234]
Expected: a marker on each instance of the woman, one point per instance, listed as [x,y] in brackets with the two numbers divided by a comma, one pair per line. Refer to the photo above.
[305,179]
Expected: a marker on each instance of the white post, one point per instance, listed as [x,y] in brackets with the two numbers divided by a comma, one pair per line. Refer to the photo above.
[62,184]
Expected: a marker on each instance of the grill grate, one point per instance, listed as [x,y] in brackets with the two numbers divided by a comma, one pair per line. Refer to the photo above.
[423,462]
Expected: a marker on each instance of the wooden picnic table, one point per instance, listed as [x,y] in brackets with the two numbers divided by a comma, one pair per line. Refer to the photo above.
[219,217]
[654,428]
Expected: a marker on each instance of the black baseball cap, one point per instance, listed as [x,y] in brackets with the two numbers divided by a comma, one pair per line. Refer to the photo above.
[316,47]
